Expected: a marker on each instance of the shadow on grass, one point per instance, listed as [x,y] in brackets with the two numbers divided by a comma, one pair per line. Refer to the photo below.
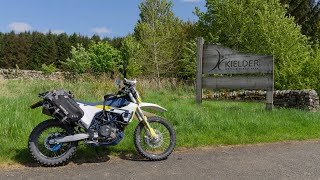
[23,157]
[84,155]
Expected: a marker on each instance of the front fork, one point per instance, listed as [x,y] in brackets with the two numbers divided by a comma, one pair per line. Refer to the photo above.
[144,119]
[141,116]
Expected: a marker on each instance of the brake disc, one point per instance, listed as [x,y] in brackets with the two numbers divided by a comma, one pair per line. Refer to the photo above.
[154,142]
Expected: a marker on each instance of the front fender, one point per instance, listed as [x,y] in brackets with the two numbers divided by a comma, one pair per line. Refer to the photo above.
[152,106]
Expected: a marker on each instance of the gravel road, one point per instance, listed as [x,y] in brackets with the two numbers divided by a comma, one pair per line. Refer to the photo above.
[289,160]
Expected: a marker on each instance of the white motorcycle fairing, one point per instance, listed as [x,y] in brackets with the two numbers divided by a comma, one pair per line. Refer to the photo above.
[152,106]
[89,113]
[91,110]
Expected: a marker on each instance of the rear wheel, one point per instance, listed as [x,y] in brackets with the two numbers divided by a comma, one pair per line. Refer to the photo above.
[48,154]
[157,148]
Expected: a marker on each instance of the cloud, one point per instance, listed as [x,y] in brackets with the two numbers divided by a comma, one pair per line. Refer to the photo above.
[101,30]
[191,1]
[57,31]
[19,27]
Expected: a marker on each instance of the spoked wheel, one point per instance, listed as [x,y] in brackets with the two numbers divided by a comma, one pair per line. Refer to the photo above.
[155,148]
[47,153]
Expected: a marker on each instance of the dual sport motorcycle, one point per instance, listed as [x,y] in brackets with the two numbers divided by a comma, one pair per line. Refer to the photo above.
[53,142]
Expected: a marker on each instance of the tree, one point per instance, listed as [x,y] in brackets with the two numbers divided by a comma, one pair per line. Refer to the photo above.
[15,50]
[188,62]
[8,49]
[101,57]
[186,67]
[52,49]
[63,48]
[259,26]
[95,38]
[85,41]
[159,32]
[130,49]
[31,50]
[116,42]
[41,51]
[23,49]
[106,39]
[306,14]
[79,62]
[74,40]
[104,58]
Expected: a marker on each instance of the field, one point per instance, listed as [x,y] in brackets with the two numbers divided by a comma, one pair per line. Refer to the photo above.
[212,123]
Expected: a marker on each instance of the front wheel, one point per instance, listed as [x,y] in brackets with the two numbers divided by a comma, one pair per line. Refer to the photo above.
[43,151]
[157,148]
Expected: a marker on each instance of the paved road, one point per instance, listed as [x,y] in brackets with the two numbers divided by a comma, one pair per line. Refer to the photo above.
[291,160]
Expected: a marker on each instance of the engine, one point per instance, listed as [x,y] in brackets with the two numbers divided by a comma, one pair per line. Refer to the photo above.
[108,131]
[107,127]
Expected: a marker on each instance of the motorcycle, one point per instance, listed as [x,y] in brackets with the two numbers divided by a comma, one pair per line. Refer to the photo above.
[53,142]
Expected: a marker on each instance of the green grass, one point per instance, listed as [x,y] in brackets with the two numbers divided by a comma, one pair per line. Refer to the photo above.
[211,123]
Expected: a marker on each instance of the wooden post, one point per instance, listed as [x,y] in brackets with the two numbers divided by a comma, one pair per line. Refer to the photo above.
[269,103]
[199,70]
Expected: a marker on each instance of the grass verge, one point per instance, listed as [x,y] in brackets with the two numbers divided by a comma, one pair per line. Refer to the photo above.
[211,123]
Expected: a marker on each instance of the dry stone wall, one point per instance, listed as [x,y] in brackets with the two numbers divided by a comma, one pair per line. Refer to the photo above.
[299,99]
[29,74]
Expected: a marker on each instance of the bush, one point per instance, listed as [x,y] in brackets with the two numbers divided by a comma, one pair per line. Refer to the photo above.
[311,70]
[79,62]
[104,58]
[48,69]
[99,58]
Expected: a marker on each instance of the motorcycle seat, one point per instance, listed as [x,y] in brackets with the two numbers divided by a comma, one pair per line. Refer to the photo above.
[111,102]
[110,97]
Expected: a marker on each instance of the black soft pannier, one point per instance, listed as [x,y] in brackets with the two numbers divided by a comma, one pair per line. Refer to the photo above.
[61,105]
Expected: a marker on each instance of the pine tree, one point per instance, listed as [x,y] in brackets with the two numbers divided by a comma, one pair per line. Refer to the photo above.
[74,40]
[40,51]
[63,48]
[95,38]
[116,42]
[23,47]
[8,58]
[51,49]
[30,50]
[306,14]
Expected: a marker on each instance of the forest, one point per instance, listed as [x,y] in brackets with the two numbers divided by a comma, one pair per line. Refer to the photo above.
[164,46]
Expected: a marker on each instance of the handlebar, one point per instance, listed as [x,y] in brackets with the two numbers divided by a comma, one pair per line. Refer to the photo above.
[37,104]
[129,82]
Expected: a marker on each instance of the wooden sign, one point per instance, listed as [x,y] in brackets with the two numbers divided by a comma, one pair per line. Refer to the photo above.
[214,59]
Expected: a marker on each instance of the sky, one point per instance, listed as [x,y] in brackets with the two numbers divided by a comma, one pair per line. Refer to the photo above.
[107,18]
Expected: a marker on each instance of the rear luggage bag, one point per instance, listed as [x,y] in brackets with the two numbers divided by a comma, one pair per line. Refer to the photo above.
[61,105]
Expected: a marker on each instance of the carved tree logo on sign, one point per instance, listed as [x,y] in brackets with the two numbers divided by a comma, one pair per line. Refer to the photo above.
[220,60]
[214,59]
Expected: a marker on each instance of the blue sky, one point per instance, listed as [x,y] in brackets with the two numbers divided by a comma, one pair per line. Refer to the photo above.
[109,18]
